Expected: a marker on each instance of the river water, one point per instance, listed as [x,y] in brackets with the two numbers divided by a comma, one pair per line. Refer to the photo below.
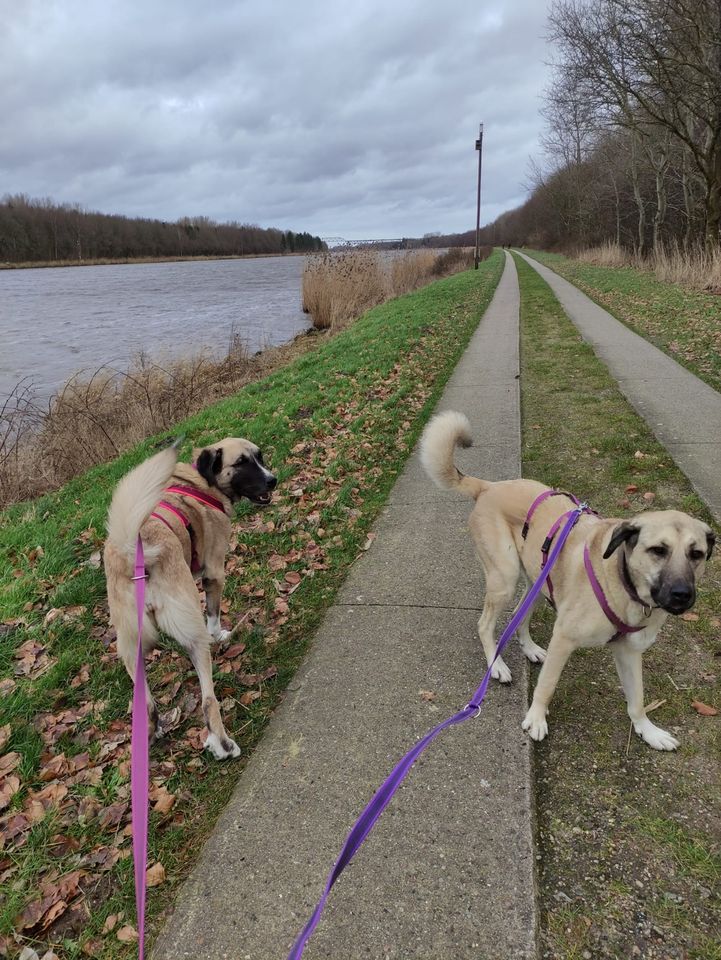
[56,322]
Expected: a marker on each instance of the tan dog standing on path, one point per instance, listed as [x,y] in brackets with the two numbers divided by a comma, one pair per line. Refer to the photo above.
[182,514]
[646,567]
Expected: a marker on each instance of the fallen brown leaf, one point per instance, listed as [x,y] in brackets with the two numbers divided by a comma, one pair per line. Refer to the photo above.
[247,698]
[163,801]
[8,789]
[689,616]
[155,875]
[704,709]
[127,934]
[8,762]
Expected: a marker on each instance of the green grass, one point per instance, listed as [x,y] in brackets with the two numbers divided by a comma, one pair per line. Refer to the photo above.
[336,426]
[622,829]
[684,323]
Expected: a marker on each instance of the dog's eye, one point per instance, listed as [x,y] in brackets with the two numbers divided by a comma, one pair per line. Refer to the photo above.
[259,456]
[697,554]
[658,551]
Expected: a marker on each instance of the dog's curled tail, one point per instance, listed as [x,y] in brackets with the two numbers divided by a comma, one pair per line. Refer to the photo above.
[442,435]
[135,498]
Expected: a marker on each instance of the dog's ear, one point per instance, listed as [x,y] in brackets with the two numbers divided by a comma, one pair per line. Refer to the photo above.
[625,532]
[710,542]
[210,463]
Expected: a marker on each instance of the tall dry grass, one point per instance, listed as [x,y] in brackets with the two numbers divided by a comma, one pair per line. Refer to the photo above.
[93,419]
[410,271]
[338,287]
[696,267]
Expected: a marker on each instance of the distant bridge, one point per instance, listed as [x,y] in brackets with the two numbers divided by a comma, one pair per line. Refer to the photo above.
[342,242]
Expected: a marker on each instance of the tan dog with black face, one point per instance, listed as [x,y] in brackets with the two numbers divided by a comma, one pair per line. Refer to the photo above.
[224,472]
[647,567]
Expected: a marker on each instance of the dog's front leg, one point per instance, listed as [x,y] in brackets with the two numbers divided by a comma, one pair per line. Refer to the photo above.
[213,587]
[630,671]
[559,650]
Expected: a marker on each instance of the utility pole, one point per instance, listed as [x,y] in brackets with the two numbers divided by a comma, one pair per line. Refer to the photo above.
[479,148]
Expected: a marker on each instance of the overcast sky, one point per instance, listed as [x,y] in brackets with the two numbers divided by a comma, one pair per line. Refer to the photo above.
[344,119]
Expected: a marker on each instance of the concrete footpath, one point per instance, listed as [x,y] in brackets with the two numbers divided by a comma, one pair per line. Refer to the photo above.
[448,871]
[683,411]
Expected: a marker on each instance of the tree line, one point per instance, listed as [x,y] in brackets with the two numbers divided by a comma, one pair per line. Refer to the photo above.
[633,130]
[42,230]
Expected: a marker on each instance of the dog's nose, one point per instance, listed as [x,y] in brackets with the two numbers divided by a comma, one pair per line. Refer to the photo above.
[272,482]
[681,593]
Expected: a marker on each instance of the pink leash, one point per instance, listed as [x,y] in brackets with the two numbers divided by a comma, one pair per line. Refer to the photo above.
[139,769]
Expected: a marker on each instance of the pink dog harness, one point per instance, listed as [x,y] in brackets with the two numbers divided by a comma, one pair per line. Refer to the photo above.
[206,498]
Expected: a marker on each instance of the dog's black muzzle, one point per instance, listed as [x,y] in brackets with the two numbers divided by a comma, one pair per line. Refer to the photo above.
[259,492]
[676,598]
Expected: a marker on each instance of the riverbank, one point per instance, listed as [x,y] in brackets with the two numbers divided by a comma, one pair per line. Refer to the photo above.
[118,261]
[336,425]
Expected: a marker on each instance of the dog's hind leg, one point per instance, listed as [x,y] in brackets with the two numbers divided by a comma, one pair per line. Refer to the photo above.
[127,644]
[501,571]
[532,651]
[182,619]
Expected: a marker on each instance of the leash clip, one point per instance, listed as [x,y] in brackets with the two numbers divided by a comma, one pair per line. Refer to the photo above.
[474,707]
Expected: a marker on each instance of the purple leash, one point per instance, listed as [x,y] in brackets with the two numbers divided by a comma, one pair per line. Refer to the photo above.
[139,767]
[364,824]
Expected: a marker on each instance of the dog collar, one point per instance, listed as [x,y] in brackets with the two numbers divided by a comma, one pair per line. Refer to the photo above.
[621,628]
[629,587]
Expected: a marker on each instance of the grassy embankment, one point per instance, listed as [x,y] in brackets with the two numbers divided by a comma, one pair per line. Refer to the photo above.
[336,425]
[683,322]
[629,838]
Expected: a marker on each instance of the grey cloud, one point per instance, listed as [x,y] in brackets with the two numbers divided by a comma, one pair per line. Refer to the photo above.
[349,120]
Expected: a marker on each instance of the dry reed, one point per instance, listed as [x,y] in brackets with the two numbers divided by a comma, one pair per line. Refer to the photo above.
[696,267]
[94,419]
[339,287]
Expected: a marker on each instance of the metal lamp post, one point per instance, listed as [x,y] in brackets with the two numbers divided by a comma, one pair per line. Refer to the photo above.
[479,148]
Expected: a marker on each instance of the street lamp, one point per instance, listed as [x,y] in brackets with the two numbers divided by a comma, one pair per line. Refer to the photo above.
[479,148]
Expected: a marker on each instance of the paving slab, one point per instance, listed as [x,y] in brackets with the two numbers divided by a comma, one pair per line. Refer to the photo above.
[448,871]
[683,411]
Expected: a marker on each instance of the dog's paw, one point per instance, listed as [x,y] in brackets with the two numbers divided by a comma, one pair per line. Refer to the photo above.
[654,736]
[221,635]
[535,724]
[222,748]
[501,672]
[533,652]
